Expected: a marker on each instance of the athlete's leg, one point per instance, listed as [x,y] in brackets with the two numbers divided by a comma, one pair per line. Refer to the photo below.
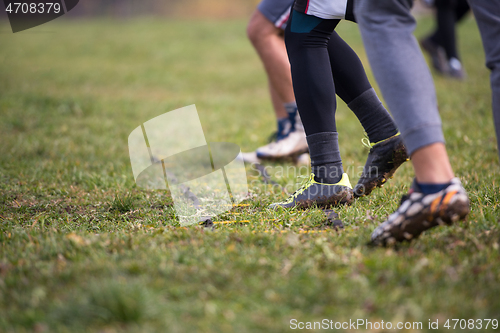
[266,34]
[353,87]
[312,48]
[445,35]
[317,50]
[487,13]
[268,41]
[387,151]
[400,70]
[406,83]
[277,102]
[446,19]
[442,44]
[307,40]
[348,73]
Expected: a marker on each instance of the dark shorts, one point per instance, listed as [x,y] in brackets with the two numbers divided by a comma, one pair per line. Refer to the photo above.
[326,9]
[276,11]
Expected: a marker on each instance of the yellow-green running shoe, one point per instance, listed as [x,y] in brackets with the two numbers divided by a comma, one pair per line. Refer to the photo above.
[323,195]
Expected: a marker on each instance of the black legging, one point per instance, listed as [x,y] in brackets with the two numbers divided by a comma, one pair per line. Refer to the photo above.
[309,54]
[448,13]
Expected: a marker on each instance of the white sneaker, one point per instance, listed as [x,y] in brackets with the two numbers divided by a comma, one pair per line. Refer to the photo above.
[293,145]
[455,69]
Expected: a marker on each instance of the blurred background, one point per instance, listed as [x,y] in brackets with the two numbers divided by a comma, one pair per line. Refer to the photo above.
[168,8]
[83,249]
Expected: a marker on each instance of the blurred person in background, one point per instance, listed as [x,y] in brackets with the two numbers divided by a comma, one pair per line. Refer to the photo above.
[265,31]
[442,43]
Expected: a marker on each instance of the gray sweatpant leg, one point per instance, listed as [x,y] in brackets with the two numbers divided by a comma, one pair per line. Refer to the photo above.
[487,13]
[400,69]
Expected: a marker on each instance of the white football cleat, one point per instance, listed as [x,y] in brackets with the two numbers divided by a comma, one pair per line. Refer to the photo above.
[293,145]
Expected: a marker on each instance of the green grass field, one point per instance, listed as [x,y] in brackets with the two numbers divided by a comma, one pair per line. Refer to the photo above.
[83,249]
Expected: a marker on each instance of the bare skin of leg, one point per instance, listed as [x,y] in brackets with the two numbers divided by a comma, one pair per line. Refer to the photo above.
[270,46]
[432,165]
[279,109]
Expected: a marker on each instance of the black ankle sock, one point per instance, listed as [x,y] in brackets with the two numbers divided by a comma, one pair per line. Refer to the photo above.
[326,163]
[373,116]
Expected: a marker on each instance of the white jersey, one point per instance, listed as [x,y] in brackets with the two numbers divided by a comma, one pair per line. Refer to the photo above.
[326,9]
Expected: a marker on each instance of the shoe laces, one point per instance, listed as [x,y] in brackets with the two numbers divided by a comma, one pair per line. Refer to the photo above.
[308,181]
[366,143]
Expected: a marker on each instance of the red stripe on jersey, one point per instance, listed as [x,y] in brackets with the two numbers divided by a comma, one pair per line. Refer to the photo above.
[283,19]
